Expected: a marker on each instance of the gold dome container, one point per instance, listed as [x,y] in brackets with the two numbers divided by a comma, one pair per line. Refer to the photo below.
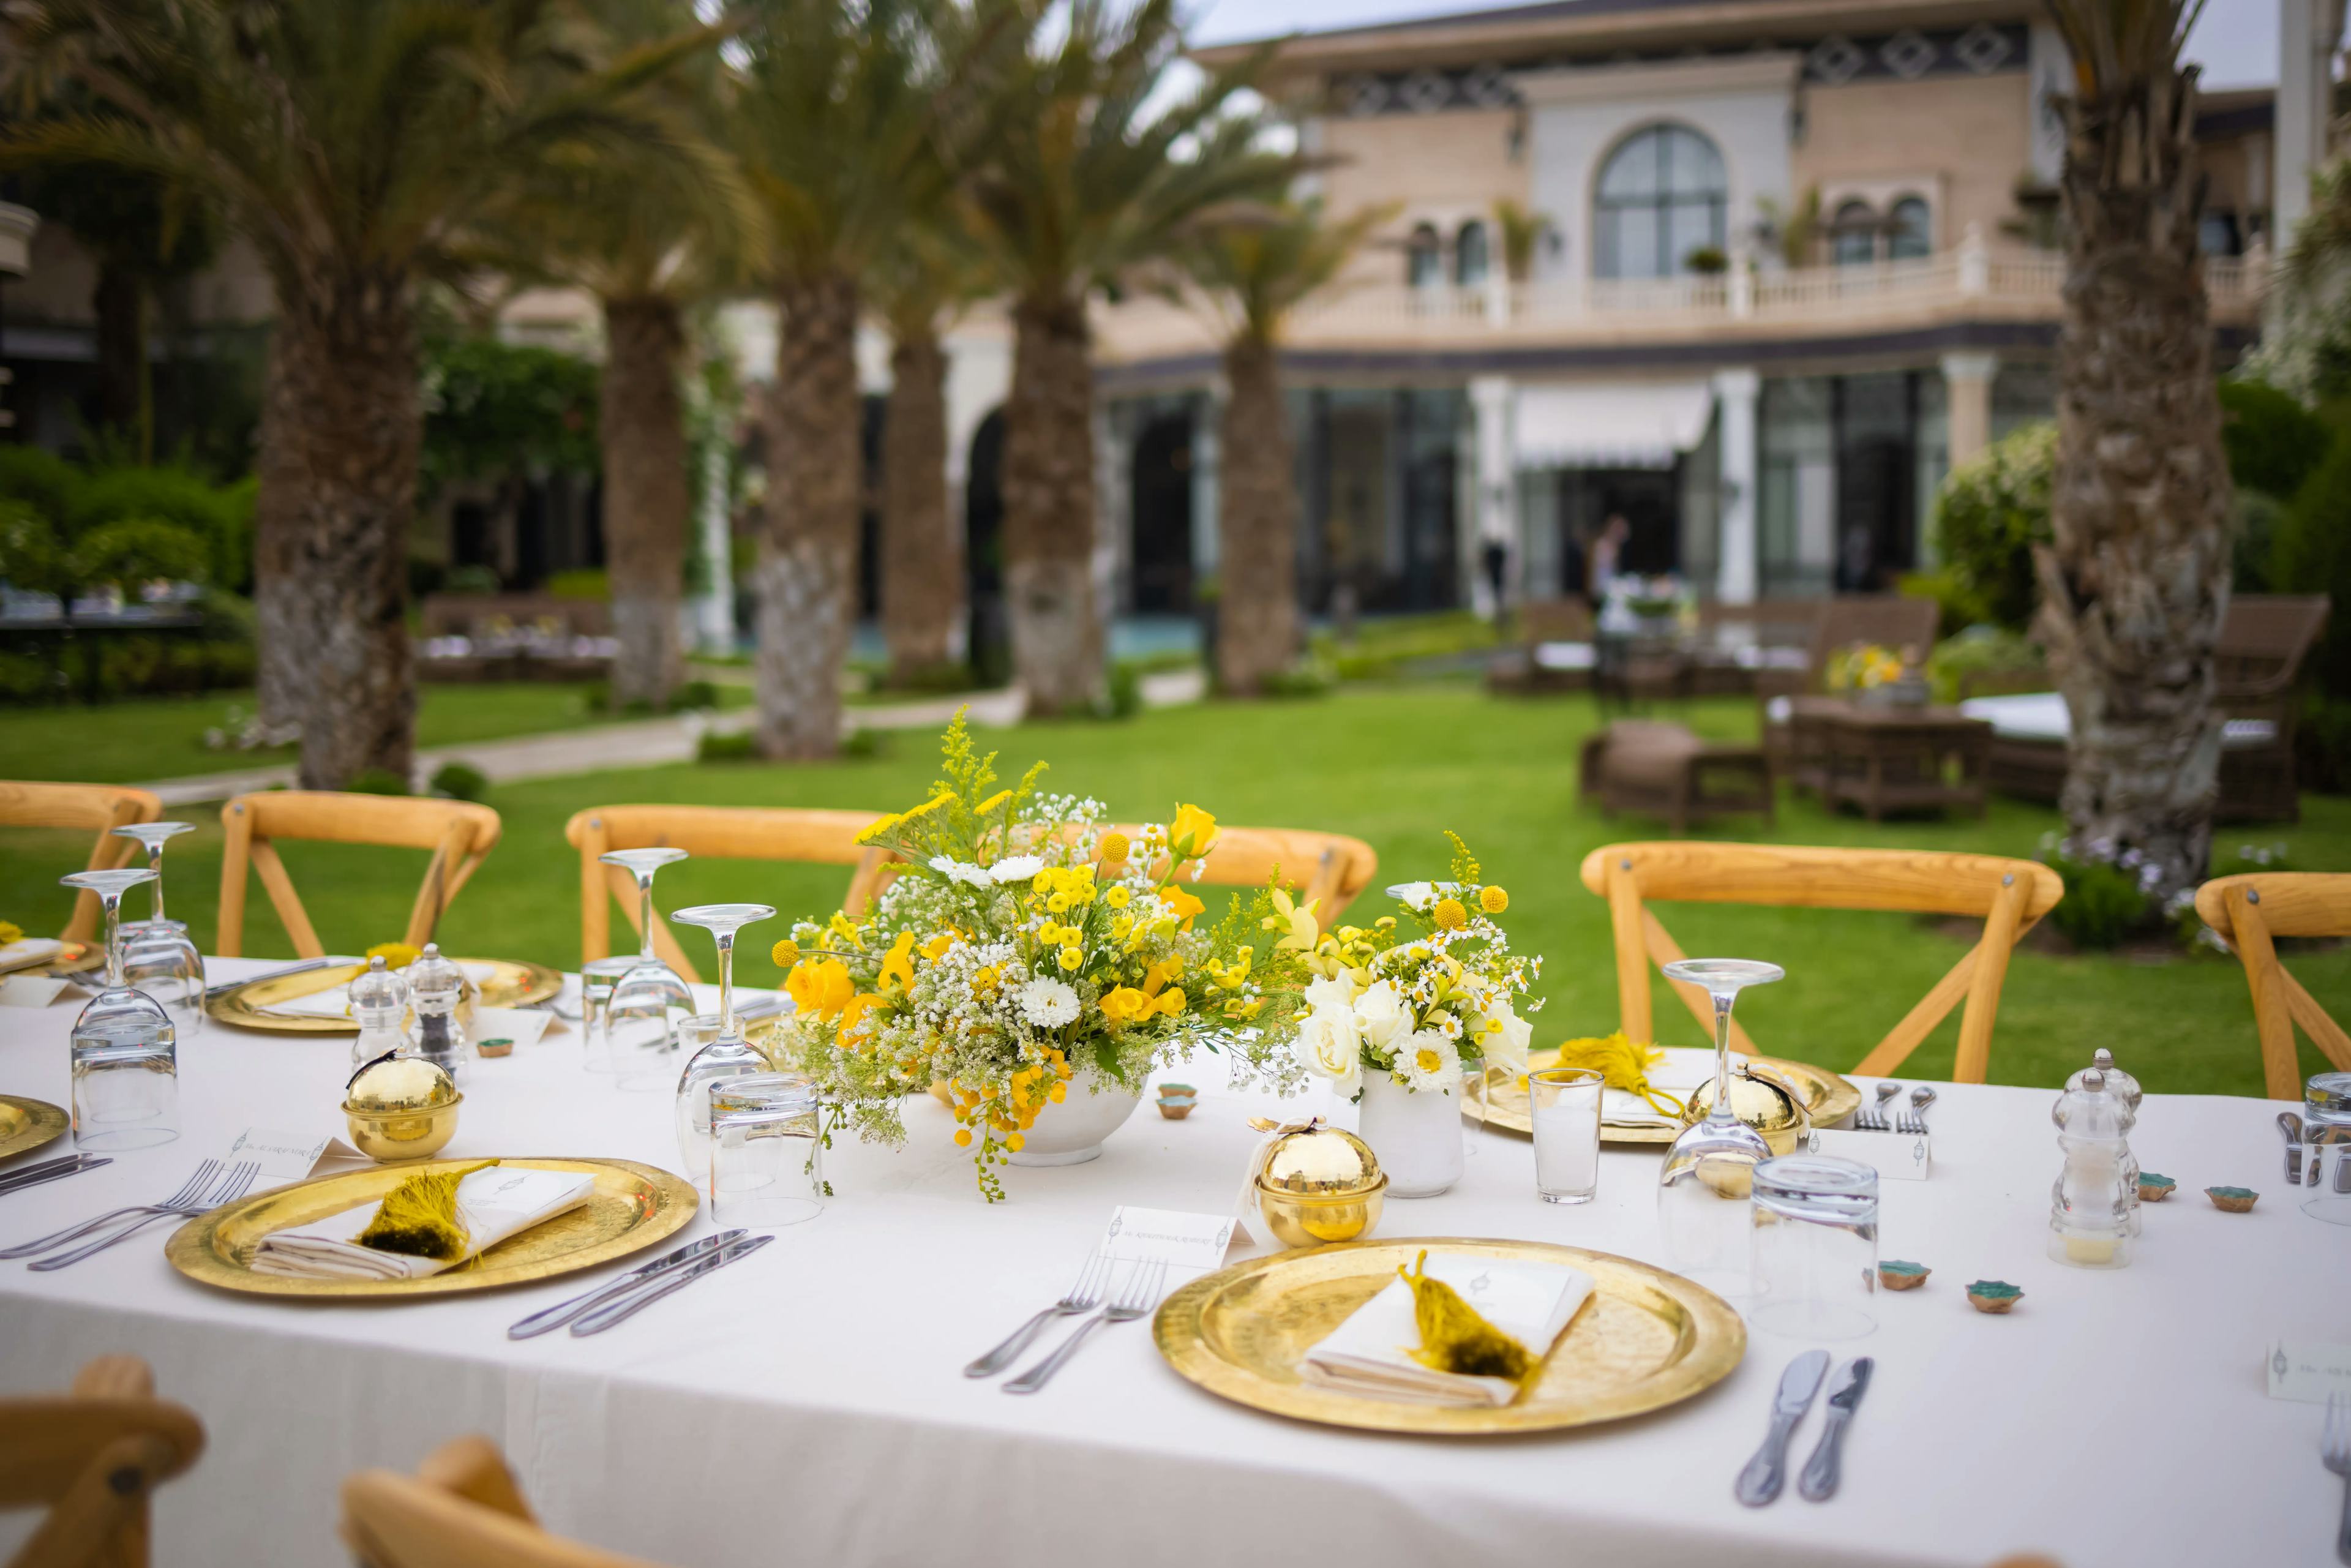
[1317,1184]
[1761,1101]
[401,1108]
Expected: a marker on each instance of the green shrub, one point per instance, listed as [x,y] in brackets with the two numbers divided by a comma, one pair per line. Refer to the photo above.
[2313,555]
[377,782]
[584,582]
[1124,697]
[471,579]
[41,480]
[221,520]
[2322,743]
[1958,607]
[693,695]
[1990,513]
[2253,553]
[2271,440]
[132,550]
[1307,681]
[716,747]
[461,782]
[1978,651]
[865,744]
[30,556]
[2103,903]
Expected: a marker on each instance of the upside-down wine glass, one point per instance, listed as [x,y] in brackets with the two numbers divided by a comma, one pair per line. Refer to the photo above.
[1708,1176]
[125,1056]
[729,1055]
[642,1016]
[157,955]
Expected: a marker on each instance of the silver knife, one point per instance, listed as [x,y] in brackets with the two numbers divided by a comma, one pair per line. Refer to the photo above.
[1760,1481]
[612,1312]
[1819,1481]
[50,1170]
[562,1312]
[306,966]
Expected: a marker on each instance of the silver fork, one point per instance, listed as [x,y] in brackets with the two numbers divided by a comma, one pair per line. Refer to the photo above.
[1140,1298]
[1873,1119]
[194,1185]
[2334,1451]
[1081,1297]
[228,1190]
[1914,1121]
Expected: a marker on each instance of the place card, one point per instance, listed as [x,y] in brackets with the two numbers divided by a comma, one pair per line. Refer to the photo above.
[1189,1244]
[31,990]
[285,1158]
[1895,1156]
[524,1026]
[2307,1370]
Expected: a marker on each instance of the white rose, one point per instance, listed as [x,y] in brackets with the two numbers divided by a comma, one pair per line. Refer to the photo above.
[1381,1014]
[1331,991]
[1333,1048]
[1507,1047]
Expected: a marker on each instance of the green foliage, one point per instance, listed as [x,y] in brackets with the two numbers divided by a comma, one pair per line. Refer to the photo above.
[2103,903]
[133,550]
[1959,606]
[2273,441]
[471,579]
[865,744]
[1122,698]
[494,408]
[62,528]
[30,556]
[41,480]
[716,747]
[220,519]
[2314,556]
[1979,651]
[1990,513]
[2253,553]
[581,582]
[2323,745]
[461,782]
[1307,681]
[693,695]
[377,782]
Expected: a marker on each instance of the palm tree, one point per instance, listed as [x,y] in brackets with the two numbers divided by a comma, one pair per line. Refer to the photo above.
[1522,232]
[2136,578]
[1082,182]
[344,142]
[1258,266]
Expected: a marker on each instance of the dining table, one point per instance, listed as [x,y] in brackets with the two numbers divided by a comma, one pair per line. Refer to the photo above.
[808,1405]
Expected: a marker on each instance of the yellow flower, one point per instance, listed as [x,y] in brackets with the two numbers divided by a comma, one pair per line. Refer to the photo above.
[1071,958]
[1012,1141]
[1493,900]
[1192,834]
[1056,1094]
[819,988]
[983,981]
[395,954]
[1303,933]
[993,801]
[1182,904]
[846,930]
[12,932]
[963,1137]
[1049,934]
[1116,897]
[1427,1059]
[1161,972]
[1450,916]
[1113,846]
[928,807]
[785,953]
[1059,903]
[898,964]
[1125,1004]
[854,1031]
[1172,1000]
[877,827]
[937,947]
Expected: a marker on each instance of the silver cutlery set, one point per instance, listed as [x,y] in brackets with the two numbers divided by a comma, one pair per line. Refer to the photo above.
[1911,1122]
[616,1300]
[1766,1472]
[212,1186]
[50,1170]
[1137,1296]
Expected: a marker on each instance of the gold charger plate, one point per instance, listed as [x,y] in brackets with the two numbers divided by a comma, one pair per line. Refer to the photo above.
[514,985]
[1647,1339]
[633,1207]
[26,1125]
[1828,1099]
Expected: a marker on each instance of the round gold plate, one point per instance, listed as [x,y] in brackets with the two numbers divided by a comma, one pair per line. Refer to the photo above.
[515,985]
[633,1207]
[1647,1339]
[1828,1099]
[26,1125]
[73,958]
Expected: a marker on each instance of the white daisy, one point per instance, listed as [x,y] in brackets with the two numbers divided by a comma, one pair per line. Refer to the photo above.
[1016,868]
[1047,1004]
[1426,1062]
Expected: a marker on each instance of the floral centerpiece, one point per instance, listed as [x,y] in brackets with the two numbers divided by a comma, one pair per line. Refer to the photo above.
[1875,674]
[1029,949]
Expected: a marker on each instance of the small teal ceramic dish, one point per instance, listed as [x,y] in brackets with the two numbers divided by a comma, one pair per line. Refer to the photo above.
[2154,1189]
[1177,1100]
[1993,1295]
[2235,1199]
[1896,1275]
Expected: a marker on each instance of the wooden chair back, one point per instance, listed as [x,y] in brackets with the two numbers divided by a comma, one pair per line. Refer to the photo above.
[458,833]
[2263,638]
[102,807]
[2251,911]
[2008,896]
[461,1510]
[1889,620]
[92,1457]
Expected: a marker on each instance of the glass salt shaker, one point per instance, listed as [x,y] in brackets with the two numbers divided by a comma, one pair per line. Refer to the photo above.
[2124,1087]
[2092,1209]
[379,1003]
[437,987]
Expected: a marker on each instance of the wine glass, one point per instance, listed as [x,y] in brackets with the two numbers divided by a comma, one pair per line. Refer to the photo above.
[125,1048]
[1709,1172]
[649,998]
[729,1055]
[157,955]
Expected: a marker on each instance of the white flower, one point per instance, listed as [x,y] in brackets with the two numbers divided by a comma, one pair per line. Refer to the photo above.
[1507,1047]
[1331,1047]
[1015,868]
[960,870]
[1048,1004]
[1415,894]
[1381,1014]
[1331,991]
[1428,1063]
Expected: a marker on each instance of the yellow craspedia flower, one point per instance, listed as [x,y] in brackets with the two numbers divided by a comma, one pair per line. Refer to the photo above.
[1493,900]
[785,953]
[1450,916]
[1071,958]
[395,954]
[1115,846]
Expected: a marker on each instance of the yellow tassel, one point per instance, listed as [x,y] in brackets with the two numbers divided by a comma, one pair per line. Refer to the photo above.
[418,1218]
[1455,1338]
[1621,1065]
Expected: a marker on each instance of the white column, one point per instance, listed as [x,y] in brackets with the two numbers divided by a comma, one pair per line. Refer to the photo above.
[1734,401]
[713,610]
[2307,33]
[1490,402]
[1208,478]
[1967,378]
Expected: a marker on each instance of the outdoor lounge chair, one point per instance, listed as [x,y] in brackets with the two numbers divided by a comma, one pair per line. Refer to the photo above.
[1890,620]
[1554,652]
[1665,770]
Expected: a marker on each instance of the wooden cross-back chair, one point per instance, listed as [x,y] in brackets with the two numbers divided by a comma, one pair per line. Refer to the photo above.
[92,1457]
[461,1510]
[2008,896]
[458,833]
[104,807]
[2251,911]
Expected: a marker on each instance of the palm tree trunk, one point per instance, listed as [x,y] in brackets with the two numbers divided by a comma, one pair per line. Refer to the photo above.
[117,305]
[2137,578]
[806,575]
[643,431]
[1257,622]
[922,547]
[1049,508]
[341,426]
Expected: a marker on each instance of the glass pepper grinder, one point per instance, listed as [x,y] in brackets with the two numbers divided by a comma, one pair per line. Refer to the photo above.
[2092,1206]
[2124,1087]
[437,987]
[379,1003]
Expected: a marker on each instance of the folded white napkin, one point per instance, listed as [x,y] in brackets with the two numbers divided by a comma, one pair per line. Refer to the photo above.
[492,1204]
[27,951]
[1371,1352]
[335,1001]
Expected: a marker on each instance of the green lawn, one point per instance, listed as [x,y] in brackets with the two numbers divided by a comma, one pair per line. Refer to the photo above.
[1394,766]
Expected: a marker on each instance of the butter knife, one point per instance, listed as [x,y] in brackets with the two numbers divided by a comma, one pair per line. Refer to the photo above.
[51,1170]
[1760,1481]
[612,1312]
[1819,1481]
[213,993]
[562,1312]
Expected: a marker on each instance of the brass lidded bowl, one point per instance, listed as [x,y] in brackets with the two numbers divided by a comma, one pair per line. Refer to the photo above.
[1318,1183]
[1761,1101]
[412,1133]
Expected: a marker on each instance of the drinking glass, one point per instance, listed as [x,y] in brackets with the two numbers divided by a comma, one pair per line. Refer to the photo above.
[640,1017]
[1814,1270]
[597,978]
[1703,1188]
[767,1150]
[2326,1136]
[1563,1105]
[125,1052]
[157,955]
[727,1056]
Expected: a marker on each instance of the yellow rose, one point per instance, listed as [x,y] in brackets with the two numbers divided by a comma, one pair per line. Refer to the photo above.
[1172,1000]
[820,990]
[1192,834]
[1493,900]
[937,947]
[1125,1004]
[1182,904]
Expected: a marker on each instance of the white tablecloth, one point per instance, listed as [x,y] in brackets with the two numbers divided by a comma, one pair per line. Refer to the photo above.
[805,1406]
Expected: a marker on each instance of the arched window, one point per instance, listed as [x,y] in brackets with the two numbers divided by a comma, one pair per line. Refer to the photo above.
[1424,261]
[1470,260]
[1853,237]
[1909,231]
[1662,195]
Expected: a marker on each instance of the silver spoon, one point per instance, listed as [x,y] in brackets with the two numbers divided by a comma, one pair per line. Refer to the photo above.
[1920,1098]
